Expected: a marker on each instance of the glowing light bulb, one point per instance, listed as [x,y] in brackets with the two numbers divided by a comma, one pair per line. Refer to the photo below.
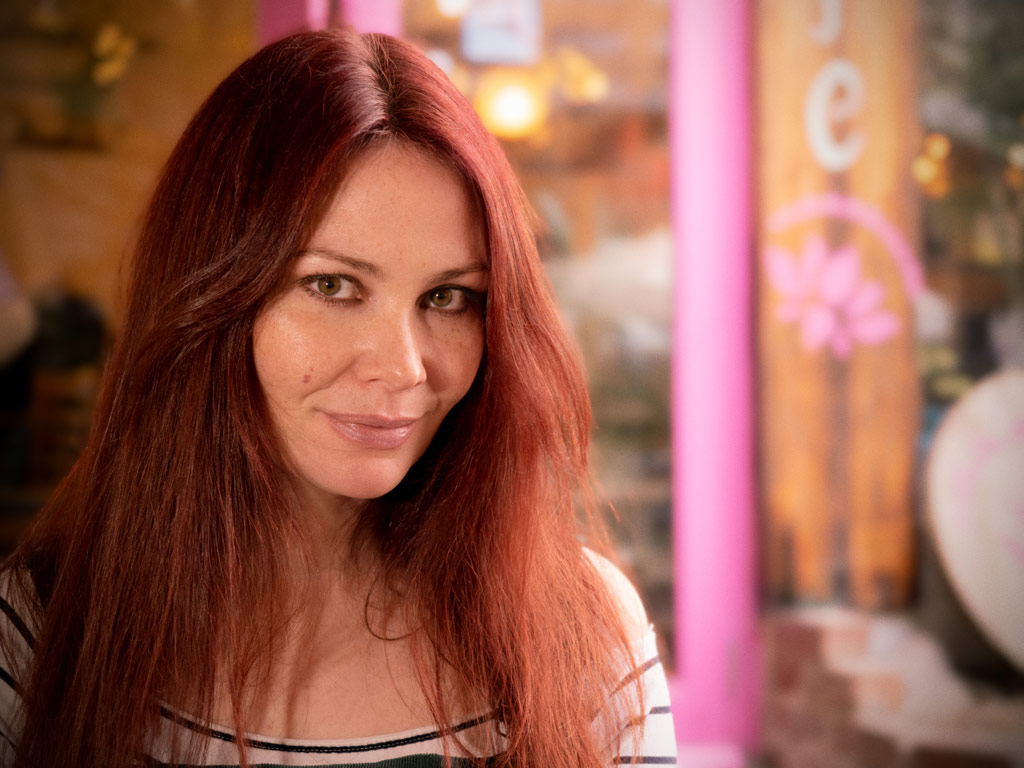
[514,107]
[511,103]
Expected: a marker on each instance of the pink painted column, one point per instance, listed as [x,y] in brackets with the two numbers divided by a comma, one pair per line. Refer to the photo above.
[278,18]
[716,694]
[373,15]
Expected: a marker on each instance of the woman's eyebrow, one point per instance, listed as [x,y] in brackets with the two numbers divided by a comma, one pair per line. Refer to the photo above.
[374,271]
[454,274]
[357,264]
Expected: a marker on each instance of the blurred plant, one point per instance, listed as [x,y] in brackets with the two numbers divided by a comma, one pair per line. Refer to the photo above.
[972,73]
[58,71]
[112,49]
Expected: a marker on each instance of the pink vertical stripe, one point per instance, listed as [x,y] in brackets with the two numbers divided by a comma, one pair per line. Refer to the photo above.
[373,15]
[280,18]
[716,694]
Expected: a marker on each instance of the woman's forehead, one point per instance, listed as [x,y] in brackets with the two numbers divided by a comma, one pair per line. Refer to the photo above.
[397,199]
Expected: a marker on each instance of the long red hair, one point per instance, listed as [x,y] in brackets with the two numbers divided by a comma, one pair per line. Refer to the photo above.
[168,531]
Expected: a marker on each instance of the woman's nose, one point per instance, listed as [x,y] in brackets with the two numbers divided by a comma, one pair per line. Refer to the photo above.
[393,354]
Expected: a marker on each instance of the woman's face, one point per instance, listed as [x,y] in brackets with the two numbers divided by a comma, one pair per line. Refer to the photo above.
[380,329]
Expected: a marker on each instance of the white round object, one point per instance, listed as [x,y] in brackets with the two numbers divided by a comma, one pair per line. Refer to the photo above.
[975,487]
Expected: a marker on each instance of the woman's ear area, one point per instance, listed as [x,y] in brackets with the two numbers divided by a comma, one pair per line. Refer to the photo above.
[624,594]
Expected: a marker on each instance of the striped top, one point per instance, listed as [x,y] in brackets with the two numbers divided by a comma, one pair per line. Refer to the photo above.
[418,748]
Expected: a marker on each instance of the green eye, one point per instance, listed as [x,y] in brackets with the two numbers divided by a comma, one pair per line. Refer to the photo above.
[328,286]
[442,297]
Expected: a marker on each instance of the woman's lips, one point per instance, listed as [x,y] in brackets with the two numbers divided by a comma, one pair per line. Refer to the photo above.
[377,432]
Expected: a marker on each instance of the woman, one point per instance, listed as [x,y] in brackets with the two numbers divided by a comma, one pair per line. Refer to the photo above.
[325,514]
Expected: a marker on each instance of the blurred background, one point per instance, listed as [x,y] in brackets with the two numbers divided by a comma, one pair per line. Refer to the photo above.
[789,237]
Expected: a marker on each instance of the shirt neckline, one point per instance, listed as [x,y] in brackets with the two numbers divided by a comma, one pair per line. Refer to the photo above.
[352,744]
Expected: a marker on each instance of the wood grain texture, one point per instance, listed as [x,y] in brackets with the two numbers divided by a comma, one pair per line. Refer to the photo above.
[837,434]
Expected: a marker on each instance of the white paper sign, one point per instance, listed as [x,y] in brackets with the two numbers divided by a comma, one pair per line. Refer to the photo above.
[502,32]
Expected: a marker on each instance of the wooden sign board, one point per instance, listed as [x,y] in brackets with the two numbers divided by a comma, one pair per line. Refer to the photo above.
[837,271]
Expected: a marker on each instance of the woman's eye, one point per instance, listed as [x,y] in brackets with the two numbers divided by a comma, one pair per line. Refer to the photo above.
[450,298]
[442,298]
[333,287]
[328,286]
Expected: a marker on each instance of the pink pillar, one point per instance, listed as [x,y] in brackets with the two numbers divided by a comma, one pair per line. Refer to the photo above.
[373,15]
[716,695]
[278,18]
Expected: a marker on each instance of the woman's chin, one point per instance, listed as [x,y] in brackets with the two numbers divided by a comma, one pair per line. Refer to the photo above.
[331,492]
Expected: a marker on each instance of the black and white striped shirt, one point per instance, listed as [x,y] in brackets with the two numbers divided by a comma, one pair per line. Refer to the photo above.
[418,748]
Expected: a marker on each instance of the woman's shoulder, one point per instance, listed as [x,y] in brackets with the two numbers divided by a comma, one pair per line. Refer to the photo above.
[623,594]
[642,682]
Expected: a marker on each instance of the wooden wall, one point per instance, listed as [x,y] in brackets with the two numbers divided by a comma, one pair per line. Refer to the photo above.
[68,204]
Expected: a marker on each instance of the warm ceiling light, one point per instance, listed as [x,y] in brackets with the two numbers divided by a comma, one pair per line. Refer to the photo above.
[512,103]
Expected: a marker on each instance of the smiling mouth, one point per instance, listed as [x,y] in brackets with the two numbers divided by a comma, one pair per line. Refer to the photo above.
[378,433]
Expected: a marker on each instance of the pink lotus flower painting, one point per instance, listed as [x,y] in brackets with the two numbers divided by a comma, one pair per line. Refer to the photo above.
[824,294]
